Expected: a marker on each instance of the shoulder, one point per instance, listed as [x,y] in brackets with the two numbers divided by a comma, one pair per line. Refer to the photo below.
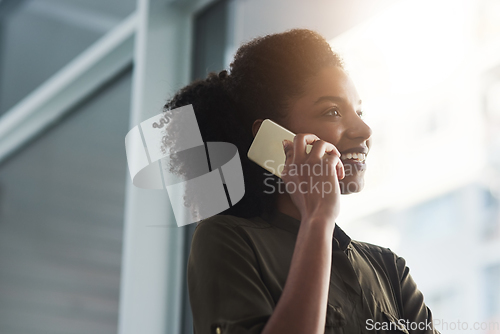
[223,231]
[383,255]
[219,243]
[376,253]
[230,221]
[229,225]
[372,248]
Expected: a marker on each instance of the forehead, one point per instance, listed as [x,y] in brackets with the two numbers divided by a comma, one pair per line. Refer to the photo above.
[330,81]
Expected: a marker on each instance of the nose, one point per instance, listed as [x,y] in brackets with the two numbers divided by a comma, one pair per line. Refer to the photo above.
[357,128]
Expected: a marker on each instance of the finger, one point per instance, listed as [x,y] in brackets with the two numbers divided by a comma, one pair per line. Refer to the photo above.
[322,147]
[299,145]
[339,166]
[340,170]
[333,150]
[288,149]
[334,163]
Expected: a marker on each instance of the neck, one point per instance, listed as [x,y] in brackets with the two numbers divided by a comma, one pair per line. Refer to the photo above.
[285,205]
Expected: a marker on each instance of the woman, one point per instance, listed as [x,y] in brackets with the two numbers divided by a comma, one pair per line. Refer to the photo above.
[277,262]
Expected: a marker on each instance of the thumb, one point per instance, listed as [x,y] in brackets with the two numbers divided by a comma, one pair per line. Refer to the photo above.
[286,147]
[288,152]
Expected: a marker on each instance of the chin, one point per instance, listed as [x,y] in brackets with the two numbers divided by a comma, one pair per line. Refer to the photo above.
[351,185]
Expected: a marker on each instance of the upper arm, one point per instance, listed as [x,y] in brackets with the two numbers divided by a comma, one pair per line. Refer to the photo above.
[224,283]
[414,308]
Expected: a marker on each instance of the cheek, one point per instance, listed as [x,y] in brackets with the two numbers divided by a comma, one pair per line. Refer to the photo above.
[329,132]
[332,135]
[298,125]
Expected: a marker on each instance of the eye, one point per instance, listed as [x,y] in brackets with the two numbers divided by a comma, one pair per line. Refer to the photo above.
[332,112]
[361,113]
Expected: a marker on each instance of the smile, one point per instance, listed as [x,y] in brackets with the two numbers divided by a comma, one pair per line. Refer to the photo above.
[358,157]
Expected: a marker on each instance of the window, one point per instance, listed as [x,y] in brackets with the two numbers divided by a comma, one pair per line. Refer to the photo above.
[492,290]
[38,38]
[61,221]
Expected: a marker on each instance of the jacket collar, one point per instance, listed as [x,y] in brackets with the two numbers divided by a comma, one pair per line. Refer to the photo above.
[291,224]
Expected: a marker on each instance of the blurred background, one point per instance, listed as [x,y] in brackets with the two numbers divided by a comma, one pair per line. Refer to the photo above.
[83,251]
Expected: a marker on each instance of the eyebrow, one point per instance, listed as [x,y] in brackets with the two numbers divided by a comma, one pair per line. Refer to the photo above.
[332,99]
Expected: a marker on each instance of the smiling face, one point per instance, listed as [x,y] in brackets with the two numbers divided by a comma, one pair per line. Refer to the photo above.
[331,109]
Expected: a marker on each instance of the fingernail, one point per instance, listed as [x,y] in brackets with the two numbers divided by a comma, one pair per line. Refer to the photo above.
[285,143]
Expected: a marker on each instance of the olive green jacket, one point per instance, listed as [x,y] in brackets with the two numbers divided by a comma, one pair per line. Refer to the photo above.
[238,267]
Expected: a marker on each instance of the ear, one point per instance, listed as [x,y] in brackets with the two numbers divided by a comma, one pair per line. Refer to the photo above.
[256,126]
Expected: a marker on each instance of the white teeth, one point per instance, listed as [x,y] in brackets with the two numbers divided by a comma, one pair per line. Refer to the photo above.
[355,156]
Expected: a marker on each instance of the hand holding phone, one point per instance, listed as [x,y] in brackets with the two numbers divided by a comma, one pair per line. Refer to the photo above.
[267,147]
[314,194]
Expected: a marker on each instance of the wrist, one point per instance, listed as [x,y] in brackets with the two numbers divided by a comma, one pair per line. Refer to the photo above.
[319,223]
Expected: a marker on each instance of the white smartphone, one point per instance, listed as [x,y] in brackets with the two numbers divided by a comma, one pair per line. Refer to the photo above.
[267,148]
